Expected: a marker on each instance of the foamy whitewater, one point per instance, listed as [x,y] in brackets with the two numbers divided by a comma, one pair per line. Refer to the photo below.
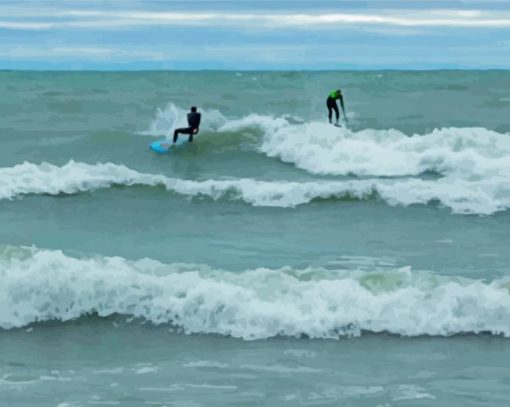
[252,304]
[277,260]
[461,195]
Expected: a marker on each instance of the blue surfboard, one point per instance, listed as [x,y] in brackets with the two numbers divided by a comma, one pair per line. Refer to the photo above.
[165,146]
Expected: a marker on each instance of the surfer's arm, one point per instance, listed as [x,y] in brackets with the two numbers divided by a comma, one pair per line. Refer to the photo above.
[343,107]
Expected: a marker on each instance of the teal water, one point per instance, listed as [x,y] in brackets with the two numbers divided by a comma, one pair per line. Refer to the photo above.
[277,260]
[150,366]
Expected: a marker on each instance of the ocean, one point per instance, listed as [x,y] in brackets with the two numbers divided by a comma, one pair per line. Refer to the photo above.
[277,260]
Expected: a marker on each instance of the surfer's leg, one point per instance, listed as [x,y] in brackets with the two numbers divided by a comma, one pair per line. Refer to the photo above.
[176,134]
[183,130]
[331,104]
[191,134]
[337,113]
[330,112]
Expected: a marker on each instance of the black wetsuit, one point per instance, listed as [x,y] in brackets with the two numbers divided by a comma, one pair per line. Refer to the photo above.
[192,129]
[331,104]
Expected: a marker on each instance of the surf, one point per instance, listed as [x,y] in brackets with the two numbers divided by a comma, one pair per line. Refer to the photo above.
[322,149]
[482,197]
[170,117]
[48,285]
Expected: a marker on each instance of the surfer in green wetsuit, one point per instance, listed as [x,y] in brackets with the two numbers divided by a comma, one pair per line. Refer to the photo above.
[331,104]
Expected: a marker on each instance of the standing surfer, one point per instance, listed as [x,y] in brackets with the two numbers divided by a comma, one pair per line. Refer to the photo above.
[331,104]
[193,124]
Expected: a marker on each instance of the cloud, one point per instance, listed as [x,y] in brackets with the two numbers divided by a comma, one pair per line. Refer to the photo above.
[16,25]
[97,34]
[74,52]
[253,52]
[112,19]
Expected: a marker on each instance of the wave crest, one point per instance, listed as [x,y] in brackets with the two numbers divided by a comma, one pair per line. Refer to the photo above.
[172,117]
[42,285]
[462,196]
[320,148]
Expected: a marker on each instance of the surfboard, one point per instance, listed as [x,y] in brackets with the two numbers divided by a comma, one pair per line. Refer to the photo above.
[165,146]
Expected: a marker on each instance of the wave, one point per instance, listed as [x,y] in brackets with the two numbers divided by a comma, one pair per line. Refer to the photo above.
[463,197]
[320,148]
[43,285]
[172,117]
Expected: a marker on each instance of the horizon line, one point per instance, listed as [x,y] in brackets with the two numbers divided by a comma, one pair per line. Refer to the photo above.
[106,70]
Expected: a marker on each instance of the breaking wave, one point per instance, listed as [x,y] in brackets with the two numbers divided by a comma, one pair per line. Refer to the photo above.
[42,285]
[462,196]
[320,148]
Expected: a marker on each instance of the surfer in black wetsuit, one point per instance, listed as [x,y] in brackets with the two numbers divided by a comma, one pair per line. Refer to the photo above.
[331,104]
[193,125]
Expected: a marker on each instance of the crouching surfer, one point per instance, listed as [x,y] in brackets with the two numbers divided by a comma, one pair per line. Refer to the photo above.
[331,104]
[193,125]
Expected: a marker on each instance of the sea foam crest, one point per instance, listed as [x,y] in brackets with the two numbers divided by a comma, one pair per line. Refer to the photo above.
[41,285]
[462,196]
[320,148]
[172,117]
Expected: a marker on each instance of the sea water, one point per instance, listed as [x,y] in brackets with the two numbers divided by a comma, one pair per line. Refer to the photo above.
[277,260]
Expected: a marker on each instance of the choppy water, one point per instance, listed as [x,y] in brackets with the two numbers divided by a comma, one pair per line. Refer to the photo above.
[277,260]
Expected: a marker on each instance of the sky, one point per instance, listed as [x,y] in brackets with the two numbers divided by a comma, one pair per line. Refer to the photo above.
[254,35]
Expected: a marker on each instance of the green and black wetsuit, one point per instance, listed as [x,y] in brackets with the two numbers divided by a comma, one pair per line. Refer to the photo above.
[331,104]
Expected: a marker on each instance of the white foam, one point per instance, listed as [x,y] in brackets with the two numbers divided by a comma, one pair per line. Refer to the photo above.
[281,368]
[320,148]
[146,369]
[41,285]
[172,117]
[462,196]
[206,363]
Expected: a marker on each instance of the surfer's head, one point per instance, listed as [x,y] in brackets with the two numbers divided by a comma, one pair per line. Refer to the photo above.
[193,109]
